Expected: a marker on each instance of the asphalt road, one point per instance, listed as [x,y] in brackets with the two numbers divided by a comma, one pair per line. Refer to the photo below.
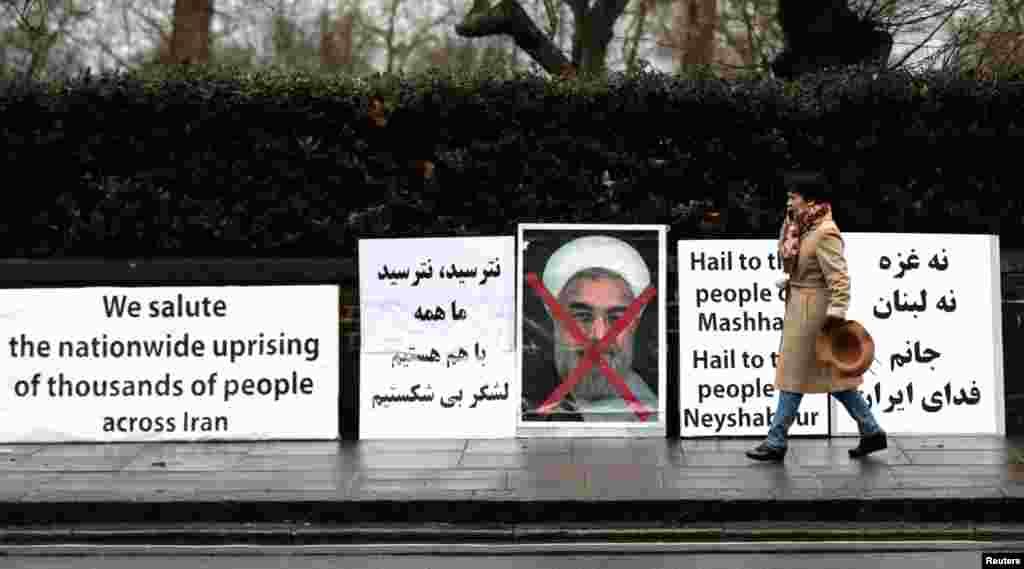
[810,560]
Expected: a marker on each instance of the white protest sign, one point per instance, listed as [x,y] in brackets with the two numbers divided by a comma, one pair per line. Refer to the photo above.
[730,325]
[932,306]
[437,326]
[169,363]
[413,289]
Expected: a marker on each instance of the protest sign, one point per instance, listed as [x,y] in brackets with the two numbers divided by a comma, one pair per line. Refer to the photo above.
[169,363]
[932,305]
[591,316]
[730,328]
[437,327]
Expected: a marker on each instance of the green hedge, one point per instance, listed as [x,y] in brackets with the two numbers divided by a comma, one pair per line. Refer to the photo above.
[209,161]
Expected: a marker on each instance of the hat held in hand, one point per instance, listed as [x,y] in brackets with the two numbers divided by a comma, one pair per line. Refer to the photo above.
[847,347]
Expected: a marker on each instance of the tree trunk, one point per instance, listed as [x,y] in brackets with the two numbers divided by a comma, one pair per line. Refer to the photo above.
[579,15]
[327,41]
[698,18]
[706,36]
[594,50]
[389,38]
[336,41]
[1000,49]
[41,45]
[633,43]
[190,41]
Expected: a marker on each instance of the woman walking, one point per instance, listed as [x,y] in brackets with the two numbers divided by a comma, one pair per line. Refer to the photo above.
[817,297]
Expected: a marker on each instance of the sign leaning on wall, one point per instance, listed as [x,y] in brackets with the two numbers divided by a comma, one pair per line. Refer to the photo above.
[730,328]
[169,363]
[591,319]
[437,332]
[932,305]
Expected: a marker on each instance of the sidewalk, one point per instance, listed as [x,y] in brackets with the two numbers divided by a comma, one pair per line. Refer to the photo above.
[521,483]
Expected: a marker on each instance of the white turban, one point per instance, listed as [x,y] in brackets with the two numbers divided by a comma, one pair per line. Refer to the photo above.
[598,251]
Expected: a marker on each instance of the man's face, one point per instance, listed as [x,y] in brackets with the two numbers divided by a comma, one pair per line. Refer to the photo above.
[596,304]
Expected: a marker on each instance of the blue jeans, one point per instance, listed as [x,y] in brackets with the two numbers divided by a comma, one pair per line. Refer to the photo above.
[789,403]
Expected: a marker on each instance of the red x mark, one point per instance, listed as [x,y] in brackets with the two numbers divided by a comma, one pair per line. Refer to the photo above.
[593,350]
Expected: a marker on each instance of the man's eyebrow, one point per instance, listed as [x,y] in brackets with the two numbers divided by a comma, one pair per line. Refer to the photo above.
[583,306]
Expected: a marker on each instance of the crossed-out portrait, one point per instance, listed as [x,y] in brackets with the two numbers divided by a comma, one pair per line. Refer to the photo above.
[590,334]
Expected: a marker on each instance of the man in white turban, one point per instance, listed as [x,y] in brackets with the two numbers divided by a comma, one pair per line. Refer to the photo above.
[595,279]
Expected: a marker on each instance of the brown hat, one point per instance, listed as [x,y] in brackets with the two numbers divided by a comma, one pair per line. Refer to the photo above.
[847,347]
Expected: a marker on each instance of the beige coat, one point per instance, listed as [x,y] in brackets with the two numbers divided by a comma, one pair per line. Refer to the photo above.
[819,286]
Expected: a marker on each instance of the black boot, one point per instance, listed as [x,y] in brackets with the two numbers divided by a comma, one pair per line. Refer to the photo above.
[869,444]
[765,452]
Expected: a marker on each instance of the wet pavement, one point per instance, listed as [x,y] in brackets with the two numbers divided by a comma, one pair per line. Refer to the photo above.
[520,481]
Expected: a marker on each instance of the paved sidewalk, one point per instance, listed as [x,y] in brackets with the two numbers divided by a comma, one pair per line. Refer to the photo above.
[494,483]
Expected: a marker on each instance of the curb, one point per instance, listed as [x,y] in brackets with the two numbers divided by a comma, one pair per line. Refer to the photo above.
[295,535]
[488,513]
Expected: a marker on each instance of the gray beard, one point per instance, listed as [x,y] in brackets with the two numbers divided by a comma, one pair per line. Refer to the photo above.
[594,385]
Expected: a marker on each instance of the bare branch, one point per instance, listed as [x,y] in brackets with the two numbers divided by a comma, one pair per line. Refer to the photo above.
[509,18]
[917,48]
[946,11]
[109,51]
[155,25]
[632,44]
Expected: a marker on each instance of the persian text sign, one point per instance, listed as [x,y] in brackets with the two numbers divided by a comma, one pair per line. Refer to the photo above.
[437,318]
[169,363]
[412,290]
[730,325]
[931,304]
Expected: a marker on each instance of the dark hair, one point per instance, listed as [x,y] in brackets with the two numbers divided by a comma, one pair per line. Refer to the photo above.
[811,185]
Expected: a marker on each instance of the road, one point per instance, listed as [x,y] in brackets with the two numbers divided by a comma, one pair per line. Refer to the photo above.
[751,556]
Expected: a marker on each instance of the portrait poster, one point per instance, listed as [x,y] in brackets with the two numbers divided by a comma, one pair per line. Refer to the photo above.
[438,332]
[931,303]
[592,330]
[730,330]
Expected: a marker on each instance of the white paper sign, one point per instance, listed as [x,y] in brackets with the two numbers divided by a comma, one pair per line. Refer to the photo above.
[730,326]
[169,363]
[931,304]
[437,325]
[413,290]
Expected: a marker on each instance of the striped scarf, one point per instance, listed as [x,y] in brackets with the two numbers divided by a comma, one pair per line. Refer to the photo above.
[793,231]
